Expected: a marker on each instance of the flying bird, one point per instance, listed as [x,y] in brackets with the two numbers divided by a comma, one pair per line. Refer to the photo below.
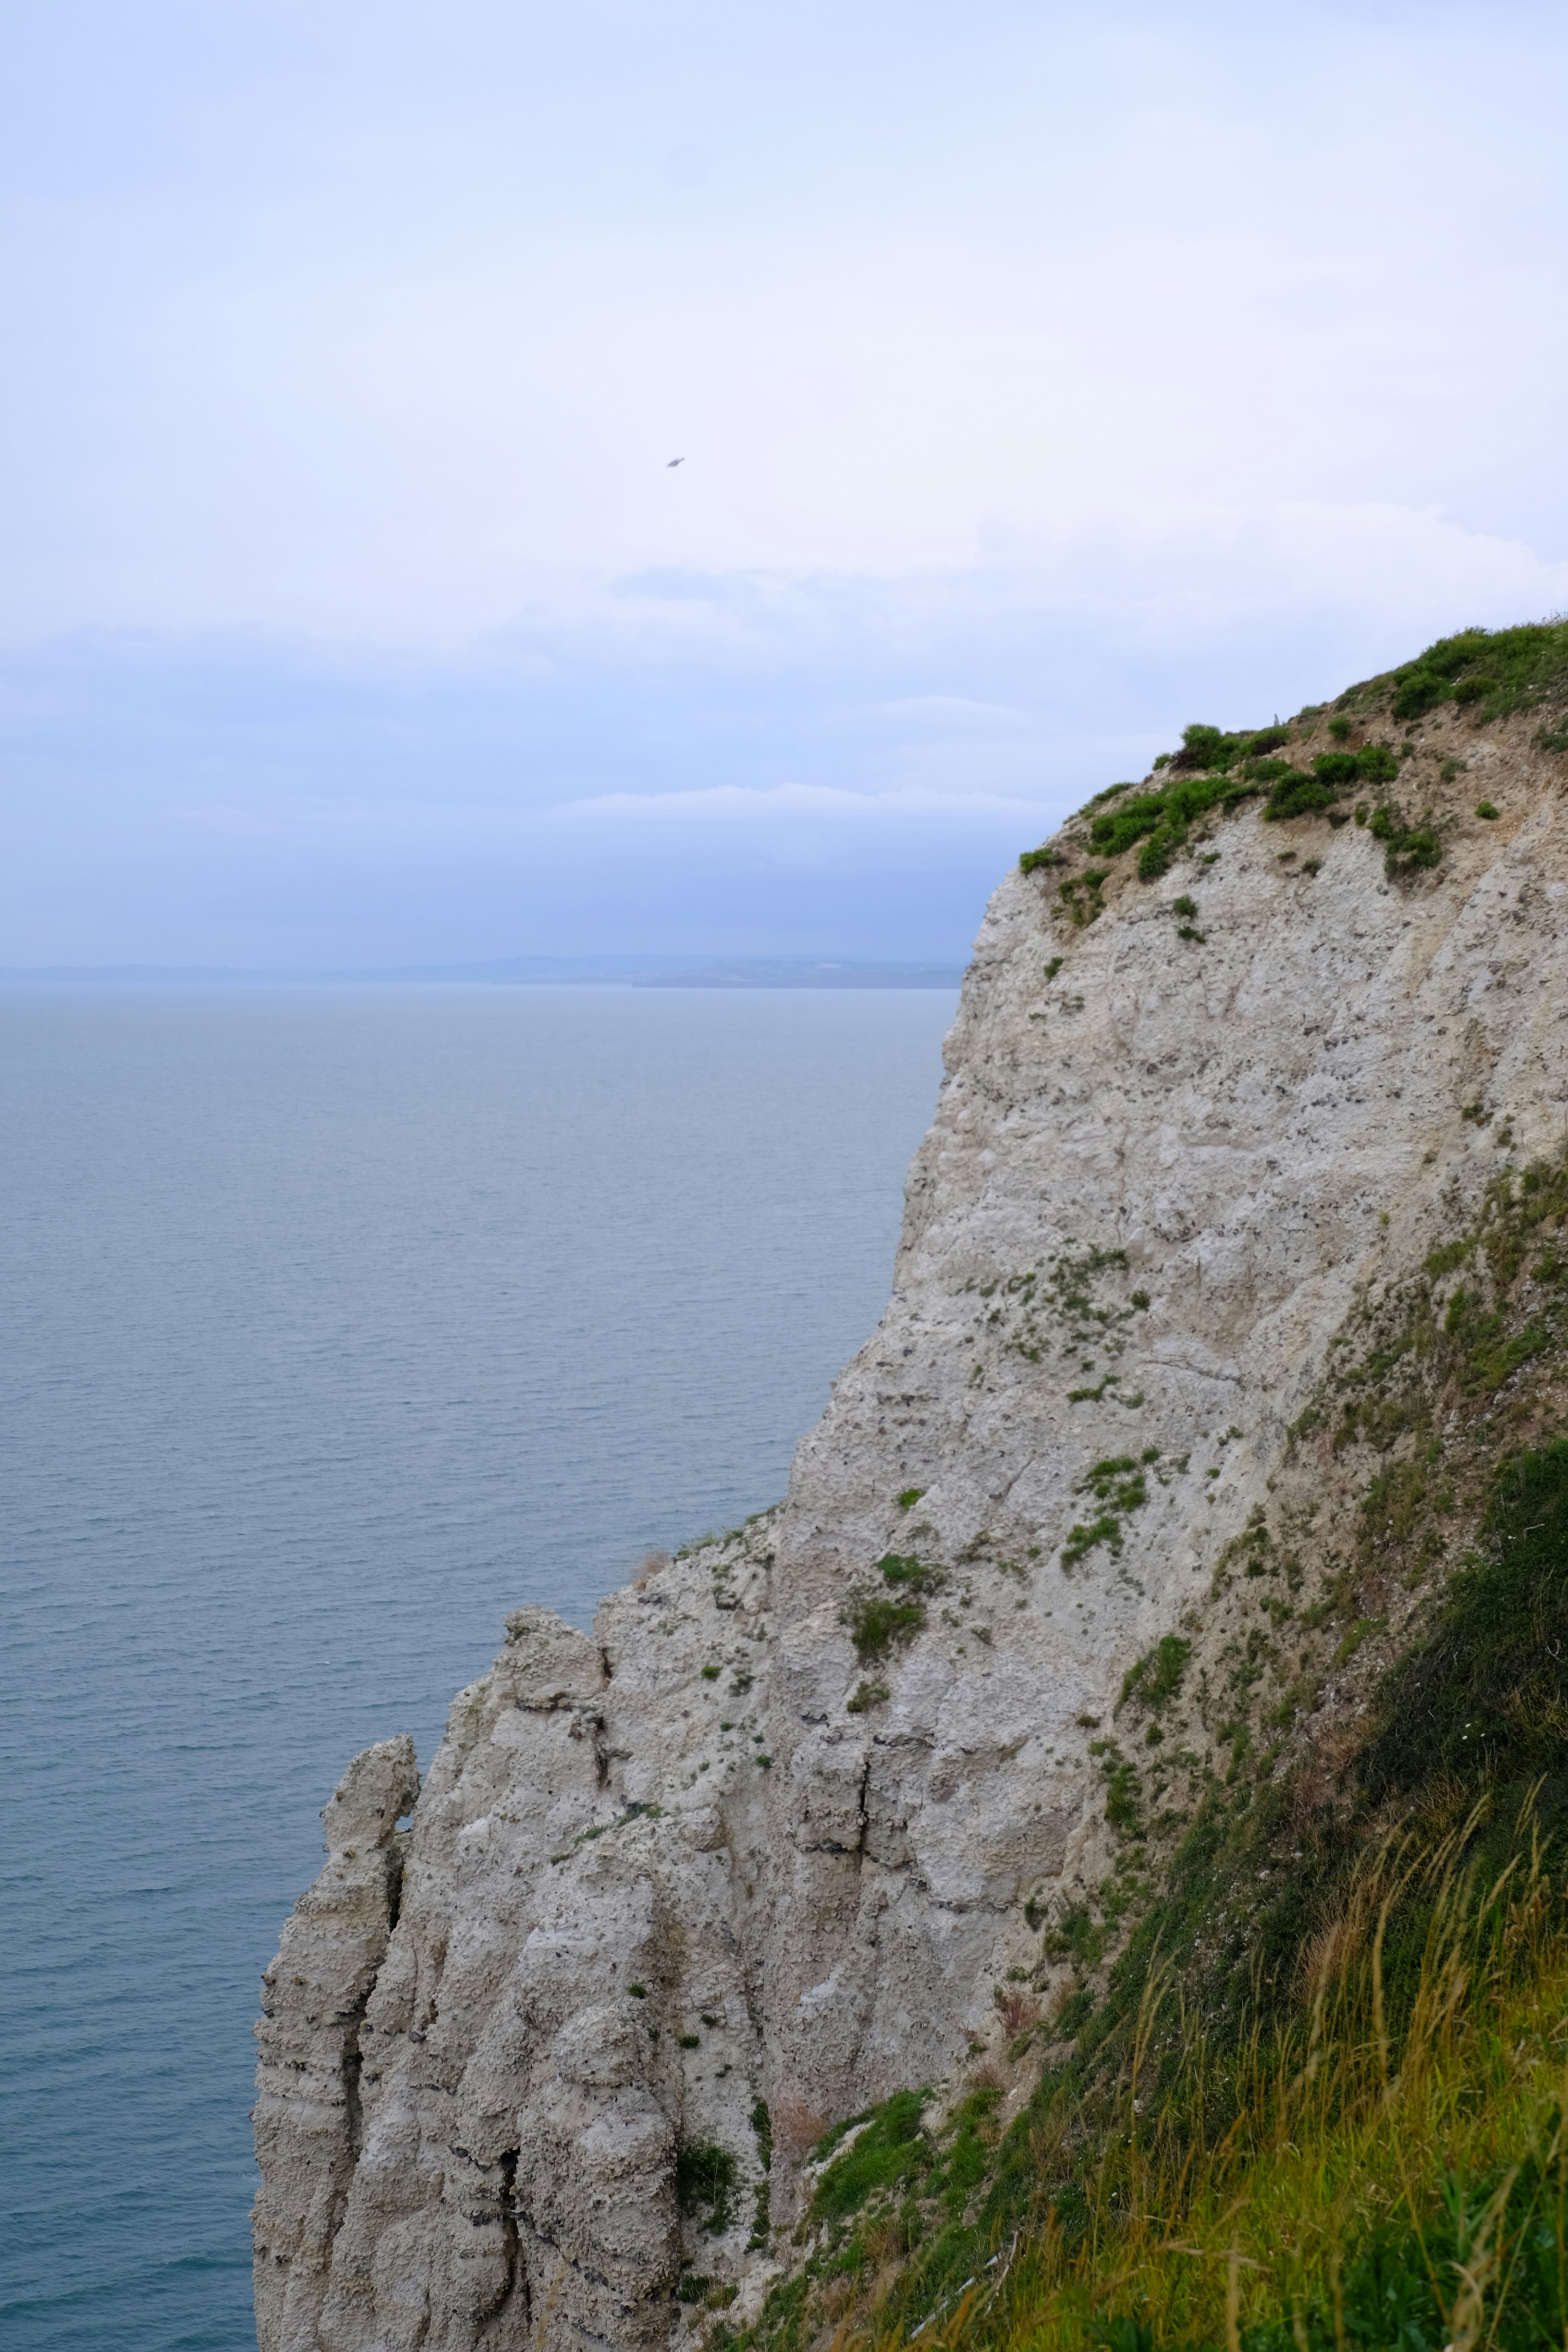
[674,461]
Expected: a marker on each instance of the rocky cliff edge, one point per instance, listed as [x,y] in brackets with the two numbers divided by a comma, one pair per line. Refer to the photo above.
[794,1826]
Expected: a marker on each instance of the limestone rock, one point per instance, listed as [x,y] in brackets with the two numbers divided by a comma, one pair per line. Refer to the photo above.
[752,1843]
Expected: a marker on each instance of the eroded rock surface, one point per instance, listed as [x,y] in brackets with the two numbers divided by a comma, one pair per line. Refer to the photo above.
[729,1850]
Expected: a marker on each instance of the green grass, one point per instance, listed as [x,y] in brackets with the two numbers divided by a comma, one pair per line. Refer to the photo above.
[1487,674]
[903,1568]
[1375,2167]
[877,1624]
[1491,672]
[891,2148]
[1156,1679]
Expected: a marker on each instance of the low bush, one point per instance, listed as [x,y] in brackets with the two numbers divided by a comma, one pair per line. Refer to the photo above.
[880,1623]
[1418,691]
[903,1568]
[1161,820]
[1296,794]
[705,2184]
[1156,1679]
[1408,847]
[1376,764]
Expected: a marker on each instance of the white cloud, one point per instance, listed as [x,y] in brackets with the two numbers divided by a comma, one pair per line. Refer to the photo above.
[815,804]
[1046,379]
[399,343]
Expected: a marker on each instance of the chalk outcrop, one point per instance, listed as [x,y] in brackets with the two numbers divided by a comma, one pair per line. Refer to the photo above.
[761,1849]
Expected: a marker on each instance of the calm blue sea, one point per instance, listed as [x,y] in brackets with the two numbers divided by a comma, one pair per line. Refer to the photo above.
[336,1323]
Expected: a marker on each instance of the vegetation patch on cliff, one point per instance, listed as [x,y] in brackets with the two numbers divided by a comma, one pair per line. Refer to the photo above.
[1485,675]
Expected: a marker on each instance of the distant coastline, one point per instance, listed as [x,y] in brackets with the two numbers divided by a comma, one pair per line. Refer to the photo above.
[615,970]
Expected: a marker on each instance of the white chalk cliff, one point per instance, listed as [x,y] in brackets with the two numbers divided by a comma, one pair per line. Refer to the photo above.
[710,1855]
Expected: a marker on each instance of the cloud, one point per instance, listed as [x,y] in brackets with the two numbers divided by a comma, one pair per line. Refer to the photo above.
[815,804]
[1047,379]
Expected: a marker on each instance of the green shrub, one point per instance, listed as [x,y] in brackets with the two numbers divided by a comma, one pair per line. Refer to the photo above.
[1076,1937]
[904,1569]
[1162,819]
[1119,1479]
[1474,689]
[878,1624]
[1207,748]
[1032,859]
[1375,764]
[1296,794]
[1485,808]
[705,2183]
[1082,1540]
[1081,896]
[1337,767]
[1118,829]
[1408,847]
[909,1497]
[1123,1797]
[1417,692]
[1156,1679]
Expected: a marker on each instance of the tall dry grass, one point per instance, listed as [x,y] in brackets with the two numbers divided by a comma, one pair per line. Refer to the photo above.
[1405,2112]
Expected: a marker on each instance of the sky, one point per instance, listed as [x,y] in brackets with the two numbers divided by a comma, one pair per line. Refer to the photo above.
[1045,378]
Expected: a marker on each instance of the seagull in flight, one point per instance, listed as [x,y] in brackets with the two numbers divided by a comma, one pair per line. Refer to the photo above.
[674,461]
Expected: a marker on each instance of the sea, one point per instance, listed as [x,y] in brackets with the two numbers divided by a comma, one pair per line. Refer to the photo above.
[336,1322]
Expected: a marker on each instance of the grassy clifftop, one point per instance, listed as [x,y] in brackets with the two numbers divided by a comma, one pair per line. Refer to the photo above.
[1355,758]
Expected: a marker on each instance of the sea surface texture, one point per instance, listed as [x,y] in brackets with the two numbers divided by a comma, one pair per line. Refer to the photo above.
[336,1324]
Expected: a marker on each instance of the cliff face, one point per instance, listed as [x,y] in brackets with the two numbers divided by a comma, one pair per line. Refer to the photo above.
[765,1847]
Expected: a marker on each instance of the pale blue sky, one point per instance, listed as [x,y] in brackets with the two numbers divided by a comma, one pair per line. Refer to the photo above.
[1046,377]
